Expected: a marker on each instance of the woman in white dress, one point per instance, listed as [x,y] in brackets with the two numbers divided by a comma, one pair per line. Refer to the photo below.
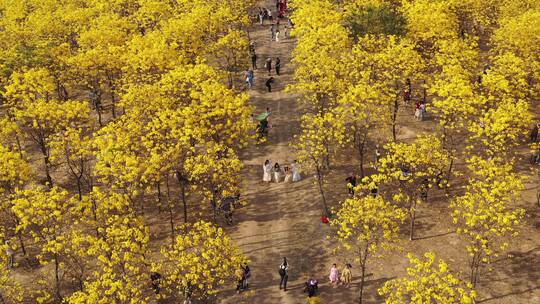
[267,171]
[277,173]
[295,171]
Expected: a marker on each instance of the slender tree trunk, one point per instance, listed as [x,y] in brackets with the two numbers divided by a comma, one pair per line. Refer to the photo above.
[46,162]
[57,277]
[363,265]
[171,205]
[21,242]
[360,146]
[98,110]
[158,186]
[113,99]
[182,182]
[320,183]
[79,187]
[394,119]
[327,156]
[412,214]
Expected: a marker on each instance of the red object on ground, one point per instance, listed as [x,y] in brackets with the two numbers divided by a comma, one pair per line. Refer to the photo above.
[324,219]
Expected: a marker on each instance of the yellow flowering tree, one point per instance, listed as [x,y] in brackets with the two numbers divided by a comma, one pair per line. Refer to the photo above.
[120,253]
[362,114]
[485,214]
[367,225]
[427,282]
[10,290]
[321,134]
[44,215]
[74,149]
[408,171]
[199,262]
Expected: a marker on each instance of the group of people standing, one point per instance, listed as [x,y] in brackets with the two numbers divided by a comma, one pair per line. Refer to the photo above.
[312,284]
[345,278]
[420,106]
[276,172]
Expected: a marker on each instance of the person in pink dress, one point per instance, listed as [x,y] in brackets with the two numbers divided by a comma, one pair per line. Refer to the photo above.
[334,274]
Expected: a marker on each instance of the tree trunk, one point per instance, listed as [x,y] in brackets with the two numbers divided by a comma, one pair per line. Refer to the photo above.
[394,119]
[363,264]
[171,205]
[182,182]
[79,187]
[361,143]
[46,162]
[57,278]
[321,190]
[21,241]
[158,185]
[412,215]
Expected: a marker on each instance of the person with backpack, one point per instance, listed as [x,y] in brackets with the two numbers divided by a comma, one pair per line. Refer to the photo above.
[284,274]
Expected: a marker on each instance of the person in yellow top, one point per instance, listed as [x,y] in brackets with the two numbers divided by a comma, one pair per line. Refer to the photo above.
[346,275]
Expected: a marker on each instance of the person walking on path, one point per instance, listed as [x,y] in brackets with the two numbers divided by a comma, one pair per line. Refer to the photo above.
[261,16]
[268,65]
[267,171]
[273,32]
[249,78]
[254,61]
[10,253]
[334,274]
[277,33]
[284,274]
[346,275]
[269,84]
[277,65]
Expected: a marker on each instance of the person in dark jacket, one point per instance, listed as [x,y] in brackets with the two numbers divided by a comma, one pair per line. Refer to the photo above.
[269,83]
[277,65]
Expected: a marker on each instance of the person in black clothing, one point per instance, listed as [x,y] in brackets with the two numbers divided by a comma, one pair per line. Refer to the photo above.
[284,274]
[277,65]
[351,183]
[247,274]
[156,281]
[254,61]
[268,65]
[312,287]
[269,84]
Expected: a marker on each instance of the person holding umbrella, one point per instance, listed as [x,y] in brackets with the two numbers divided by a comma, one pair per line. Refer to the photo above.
[262,127]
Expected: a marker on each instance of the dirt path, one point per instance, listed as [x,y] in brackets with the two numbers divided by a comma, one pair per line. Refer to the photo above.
[281,219]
